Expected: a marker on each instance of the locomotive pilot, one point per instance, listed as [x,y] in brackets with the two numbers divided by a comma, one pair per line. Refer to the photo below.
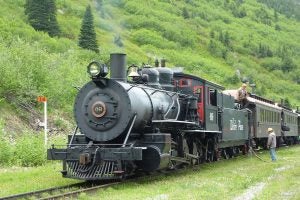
[242,95]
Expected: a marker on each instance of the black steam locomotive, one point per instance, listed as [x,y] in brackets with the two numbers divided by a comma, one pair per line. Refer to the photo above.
[160,119]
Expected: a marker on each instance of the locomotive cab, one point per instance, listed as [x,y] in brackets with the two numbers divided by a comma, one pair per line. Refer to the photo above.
[209,98]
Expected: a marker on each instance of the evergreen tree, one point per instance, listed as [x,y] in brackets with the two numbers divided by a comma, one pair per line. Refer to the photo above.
[275,16]
[42,16]
[212,46]
[226,39]
[288,65]
[212,34]
[277,27]
[264,51]
[36,12]
[221,37]
[87,37]
[53,28]
[185,13]
[286,102]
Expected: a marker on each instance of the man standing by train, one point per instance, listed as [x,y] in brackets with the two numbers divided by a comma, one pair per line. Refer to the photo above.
[272,143]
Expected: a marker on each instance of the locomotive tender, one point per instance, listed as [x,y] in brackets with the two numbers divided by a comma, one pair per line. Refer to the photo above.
[160,120]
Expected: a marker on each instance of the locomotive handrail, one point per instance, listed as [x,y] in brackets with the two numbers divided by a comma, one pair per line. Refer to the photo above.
[178,112]
[151,103]
[164,91]
[159,90]
[128,133]
[130,88]
[170,107]
[75,131]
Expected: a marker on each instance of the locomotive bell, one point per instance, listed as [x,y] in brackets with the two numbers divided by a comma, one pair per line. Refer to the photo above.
[133,72]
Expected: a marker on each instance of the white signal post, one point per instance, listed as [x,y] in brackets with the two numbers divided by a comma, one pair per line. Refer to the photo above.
[45,123]
[43,99]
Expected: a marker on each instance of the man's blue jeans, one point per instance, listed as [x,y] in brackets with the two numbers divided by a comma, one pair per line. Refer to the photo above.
[273,154]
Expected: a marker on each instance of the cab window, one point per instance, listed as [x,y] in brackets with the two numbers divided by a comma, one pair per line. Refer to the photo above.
[212,94]
[185,82]
[198,93]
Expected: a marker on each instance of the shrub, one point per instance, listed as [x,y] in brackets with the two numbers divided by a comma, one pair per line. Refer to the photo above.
[30,150]
[144,37]
[6,149]
[271,63]
[6,152]
[234,79]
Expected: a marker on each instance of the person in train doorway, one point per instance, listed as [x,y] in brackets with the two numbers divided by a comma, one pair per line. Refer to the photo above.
[242,95]
[272,143]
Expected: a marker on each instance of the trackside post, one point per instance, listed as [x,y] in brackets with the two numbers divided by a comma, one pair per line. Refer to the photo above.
[43,99]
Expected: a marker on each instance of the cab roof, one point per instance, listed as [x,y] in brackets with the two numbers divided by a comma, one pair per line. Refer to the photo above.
[206,82]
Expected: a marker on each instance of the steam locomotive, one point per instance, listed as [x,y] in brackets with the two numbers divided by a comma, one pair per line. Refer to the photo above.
[161,119]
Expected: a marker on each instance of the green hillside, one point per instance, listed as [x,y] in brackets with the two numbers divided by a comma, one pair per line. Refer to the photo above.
[222,41]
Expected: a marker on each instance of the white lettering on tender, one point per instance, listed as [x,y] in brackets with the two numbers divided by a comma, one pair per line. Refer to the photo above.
[236,125]
[211,116]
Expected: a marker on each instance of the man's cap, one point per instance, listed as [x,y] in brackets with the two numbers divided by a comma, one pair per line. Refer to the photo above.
[270,129]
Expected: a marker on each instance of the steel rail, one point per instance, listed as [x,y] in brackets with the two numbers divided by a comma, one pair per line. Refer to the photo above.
[75,193]
[38,193]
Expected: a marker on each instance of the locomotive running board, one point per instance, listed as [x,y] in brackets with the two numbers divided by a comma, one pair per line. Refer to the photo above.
[173,121]
[200,131]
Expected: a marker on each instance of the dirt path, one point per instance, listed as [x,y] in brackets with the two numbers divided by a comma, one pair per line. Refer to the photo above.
[252,191]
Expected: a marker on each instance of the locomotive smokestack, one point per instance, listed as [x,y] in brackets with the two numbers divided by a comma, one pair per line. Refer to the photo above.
[163,62]
[118,67]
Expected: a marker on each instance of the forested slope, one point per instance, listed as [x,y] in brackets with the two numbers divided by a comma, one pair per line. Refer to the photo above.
[223,41]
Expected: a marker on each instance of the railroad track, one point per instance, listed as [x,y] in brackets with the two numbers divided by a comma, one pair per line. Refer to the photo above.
[74,194]
[60,192]
[72,191]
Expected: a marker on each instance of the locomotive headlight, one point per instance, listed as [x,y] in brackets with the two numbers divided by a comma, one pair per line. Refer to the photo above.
[96,69]
[93,69]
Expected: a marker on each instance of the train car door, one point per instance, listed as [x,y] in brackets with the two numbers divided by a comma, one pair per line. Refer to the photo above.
[198,91]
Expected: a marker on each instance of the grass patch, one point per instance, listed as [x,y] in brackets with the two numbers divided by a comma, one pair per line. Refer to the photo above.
[25,179]
[227,179]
